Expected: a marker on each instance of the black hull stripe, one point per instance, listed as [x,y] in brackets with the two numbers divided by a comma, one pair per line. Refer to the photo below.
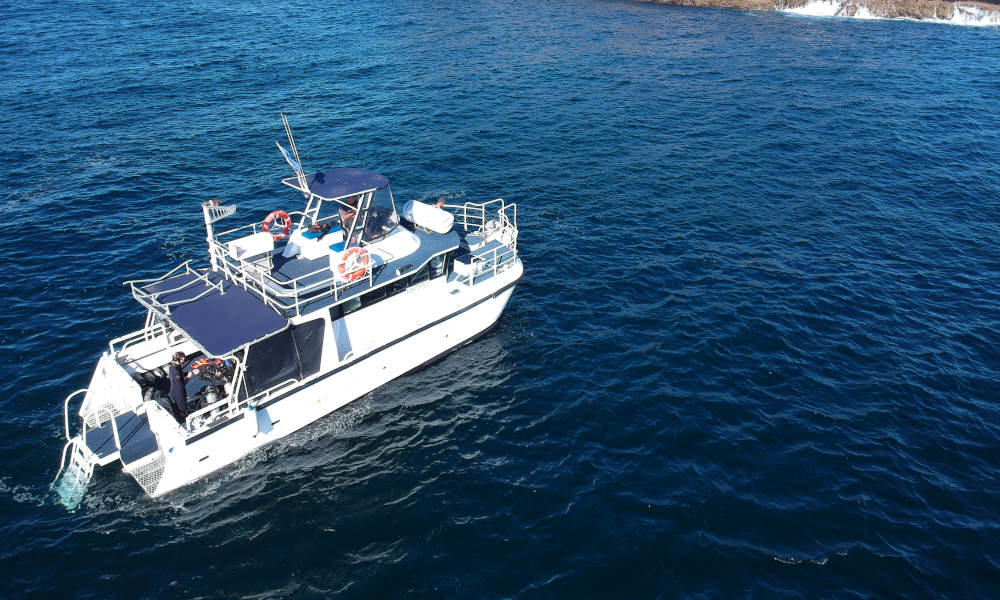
[236,418]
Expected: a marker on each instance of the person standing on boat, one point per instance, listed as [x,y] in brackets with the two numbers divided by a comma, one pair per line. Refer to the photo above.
[347,214]
[178,392]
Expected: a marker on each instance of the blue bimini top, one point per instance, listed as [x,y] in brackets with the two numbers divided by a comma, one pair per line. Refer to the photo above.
[218,322]
[337,183]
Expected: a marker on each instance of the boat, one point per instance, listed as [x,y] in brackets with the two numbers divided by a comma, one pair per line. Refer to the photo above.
[292,318]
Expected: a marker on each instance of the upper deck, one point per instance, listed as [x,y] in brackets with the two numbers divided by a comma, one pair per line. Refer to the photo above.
[257,283]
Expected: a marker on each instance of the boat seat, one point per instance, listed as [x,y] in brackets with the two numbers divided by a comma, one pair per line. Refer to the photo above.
[474,242]
[309,244]
[315,235]
[253,249]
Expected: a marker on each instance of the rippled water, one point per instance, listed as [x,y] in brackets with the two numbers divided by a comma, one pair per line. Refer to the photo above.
[754,353]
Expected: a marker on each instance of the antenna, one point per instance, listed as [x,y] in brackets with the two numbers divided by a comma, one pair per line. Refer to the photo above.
[294,160]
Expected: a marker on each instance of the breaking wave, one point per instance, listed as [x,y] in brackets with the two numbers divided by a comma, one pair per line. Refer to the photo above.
[960,15]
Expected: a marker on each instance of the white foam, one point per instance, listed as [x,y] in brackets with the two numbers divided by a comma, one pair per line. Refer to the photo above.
[816,8]
[962,15]
[970,15]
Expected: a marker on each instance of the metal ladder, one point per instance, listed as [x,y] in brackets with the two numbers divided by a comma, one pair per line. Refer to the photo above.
[76,465]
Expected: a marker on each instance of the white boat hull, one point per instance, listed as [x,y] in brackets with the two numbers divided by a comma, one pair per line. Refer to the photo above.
[351,378]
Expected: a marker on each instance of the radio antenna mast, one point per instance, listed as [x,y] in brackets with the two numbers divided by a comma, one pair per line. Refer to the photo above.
[294,160]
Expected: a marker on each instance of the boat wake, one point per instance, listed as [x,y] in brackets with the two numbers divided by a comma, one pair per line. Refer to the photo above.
[947,13]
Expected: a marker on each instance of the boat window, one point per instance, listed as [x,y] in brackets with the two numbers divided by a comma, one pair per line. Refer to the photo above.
[422,275]
[399,286]
[351,305]
[294,353]
[437,266]
[309,343]
[382,217]
[373,296]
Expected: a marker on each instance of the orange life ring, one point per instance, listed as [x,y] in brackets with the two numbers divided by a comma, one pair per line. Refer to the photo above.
[354,264]
[266,225]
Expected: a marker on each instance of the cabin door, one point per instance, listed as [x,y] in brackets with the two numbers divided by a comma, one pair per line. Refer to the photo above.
[343,340]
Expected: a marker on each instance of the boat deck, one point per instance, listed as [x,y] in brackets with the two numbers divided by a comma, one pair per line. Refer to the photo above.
[136,438]
[314,289]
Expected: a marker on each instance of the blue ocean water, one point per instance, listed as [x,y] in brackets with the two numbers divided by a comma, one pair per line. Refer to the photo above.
[754,354]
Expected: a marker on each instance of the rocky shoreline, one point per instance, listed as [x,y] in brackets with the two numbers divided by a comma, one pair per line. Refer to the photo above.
[979,13]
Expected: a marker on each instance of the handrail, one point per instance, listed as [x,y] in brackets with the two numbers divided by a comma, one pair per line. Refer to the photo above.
[282,295]
[500,261]
[114,431]
[145,335]
[62,461]
[149,299]
[288,296]
[266,394]
[238,372]
[255,225]
[127,338]
[66,410]
[230,407]
[499,257]
[164,276]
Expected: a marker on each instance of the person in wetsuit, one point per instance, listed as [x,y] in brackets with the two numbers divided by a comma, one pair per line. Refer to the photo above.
[178,393]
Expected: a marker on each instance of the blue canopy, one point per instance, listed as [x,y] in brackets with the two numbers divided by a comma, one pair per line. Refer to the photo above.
[337,183]
[219,323]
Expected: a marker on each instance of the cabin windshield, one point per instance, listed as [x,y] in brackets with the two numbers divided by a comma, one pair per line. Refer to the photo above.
[382,217]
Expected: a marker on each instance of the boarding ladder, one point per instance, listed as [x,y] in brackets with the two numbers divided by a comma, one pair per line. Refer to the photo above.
[107,434]
[76,466]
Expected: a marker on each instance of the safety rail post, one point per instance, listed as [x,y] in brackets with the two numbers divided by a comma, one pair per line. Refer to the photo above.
[114,431]
[66,410]
[62,460]
[147,325]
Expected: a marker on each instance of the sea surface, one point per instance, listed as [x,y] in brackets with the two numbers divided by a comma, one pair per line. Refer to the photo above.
[754,354]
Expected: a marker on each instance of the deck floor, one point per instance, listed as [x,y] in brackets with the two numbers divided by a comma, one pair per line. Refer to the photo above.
[136,437]
[320,276]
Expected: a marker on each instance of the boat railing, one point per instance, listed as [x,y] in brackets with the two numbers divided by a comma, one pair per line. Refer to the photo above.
[488,263]
[232,406]
[69,437]
[476,216]
[494,220]
[150,299]
[119,346]
[289,295]
[255,227]
[95,417]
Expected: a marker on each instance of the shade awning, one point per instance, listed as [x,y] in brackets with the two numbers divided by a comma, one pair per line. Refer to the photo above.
[337,183]
[218,321]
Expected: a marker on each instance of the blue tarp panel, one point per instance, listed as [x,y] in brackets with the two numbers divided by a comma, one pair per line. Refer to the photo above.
[219,323]
[334,183]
